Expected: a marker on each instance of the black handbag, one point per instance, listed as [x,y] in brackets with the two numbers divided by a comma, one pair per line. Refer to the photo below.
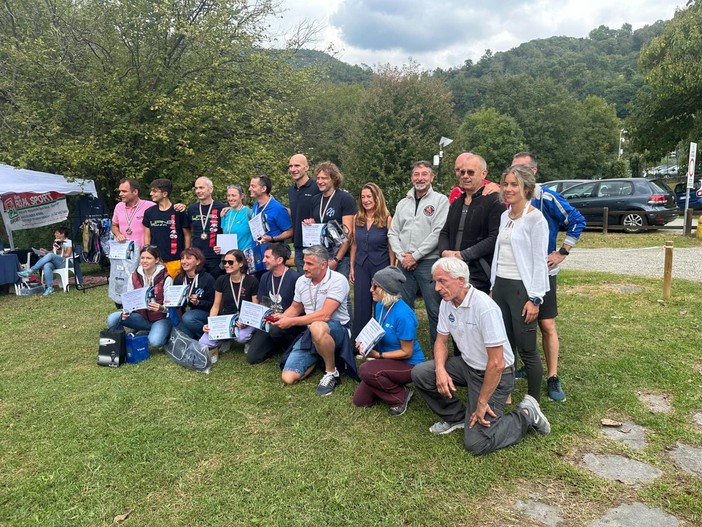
[113,348]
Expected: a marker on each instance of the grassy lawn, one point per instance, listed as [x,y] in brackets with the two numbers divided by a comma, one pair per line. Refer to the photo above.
[80,444]
[621,240]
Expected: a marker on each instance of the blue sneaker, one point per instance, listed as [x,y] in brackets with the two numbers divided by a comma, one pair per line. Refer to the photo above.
[24,273]
[48,291]
[328,383]
[555,390]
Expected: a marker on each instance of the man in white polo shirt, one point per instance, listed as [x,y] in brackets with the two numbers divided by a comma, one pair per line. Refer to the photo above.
[485,366]
[319,303]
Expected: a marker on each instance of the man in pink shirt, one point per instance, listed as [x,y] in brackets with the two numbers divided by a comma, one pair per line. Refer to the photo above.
[127,220]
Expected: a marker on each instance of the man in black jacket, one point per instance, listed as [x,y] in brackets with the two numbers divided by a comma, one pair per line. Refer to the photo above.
[473,221]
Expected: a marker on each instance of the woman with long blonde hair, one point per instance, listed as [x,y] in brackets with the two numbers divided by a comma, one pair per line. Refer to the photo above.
[370,250]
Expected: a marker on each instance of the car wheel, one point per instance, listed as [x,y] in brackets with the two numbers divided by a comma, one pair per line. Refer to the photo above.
[633,222]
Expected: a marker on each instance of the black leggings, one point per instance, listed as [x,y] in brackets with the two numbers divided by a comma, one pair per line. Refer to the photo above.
[511,295]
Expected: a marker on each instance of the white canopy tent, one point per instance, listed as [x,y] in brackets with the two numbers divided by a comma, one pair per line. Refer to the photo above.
[18,180]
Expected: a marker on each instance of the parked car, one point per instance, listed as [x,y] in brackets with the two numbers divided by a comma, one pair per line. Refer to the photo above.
[633,202]
[563,184]
[695,195]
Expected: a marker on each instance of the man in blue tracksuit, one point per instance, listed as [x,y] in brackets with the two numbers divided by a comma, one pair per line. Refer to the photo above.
[558,213]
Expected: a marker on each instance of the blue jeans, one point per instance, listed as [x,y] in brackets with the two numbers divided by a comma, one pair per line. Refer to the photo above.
[420,279]
[299,259]
[47,264]
[300,359]
[192,321]
[159,331]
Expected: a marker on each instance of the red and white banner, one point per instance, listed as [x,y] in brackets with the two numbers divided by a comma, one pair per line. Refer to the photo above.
[25,210]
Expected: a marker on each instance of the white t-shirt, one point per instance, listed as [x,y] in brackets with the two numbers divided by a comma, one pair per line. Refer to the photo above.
[334,286]
[60,247]
[475,325]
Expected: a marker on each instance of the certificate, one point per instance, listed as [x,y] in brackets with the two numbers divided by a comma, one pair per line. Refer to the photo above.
[120,250]
[312,234]
[227,242]
[136,299]
[222,327]
[257,226]
[253,314]
[369,336]
[175,295]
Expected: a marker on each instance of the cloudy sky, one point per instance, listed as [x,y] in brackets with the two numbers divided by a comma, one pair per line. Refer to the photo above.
[446,33]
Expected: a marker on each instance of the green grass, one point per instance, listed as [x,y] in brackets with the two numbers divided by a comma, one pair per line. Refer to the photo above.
[620,240]
[81,444]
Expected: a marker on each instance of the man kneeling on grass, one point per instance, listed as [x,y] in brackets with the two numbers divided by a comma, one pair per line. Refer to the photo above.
[319,304]
[485,366]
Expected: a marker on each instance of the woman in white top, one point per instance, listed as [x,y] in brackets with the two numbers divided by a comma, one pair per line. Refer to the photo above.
[62,250]
[519,268]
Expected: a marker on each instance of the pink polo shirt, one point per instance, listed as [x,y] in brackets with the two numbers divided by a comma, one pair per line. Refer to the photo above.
[123,215]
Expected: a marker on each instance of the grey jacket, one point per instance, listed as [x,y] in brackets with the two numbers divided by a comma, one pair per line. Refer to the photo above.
[415,227]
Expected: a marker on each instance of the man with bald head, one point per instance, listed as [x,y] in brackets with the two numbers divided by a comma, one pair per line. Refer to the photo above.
[473,221]
[204,220]
[300,195]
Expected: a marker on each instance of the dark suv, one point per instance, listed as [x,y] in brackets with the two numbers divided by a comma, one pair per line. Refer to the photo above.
[632,202]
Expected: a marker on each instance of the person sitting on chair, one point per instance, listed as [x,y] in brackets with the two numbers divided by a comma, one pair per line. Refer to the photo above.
[62,250]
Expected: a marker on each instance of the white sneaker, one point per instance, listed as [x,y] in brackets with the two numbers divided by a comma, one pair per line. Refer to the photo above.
[538,419]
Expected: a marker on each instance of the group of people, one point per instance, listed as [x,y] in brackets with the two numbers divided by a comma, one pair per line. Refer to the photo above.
[484,260]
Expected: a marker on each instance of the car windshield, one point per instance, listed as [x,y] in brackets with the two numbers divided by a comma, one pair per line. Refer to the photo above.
[658,187]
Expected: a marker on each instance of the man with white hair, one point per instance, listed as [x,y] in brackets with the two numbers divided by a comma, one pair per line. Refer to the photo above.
[485,366]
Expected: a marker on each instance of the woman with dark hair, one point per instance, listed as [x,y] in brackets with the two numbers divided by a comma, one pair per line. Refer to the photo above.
[150,273]
[386,378]
[200,293]
[519,268]
[370,250]
[231,289]
[62,249]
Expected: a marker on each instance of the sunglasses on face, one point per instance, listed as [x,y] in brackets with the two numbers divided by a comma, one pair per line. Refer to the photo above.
[230,262]
[463,172]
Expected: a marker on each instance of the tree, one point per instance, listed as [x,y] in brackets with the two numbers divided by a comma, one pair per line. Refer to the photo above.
[144,89]
[667,111]
[600,129]
[492,135]
[399,120]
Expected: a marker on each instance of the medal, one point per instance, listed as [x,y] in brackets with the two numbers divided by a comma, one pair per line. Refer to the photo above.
[130,218]
[203,236]
[129,231]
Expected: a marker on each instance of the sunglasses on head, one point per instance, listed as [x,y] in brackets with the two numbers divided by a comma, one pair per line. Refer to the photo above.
[230,262]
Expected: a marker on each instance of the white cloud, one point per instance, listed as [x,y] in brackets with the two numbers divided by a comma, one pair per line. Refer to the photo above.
[445,34]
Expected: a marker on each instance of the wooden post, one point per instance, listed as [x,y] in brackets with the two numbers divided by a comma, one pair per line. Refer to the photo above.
[605,220]
[668,270]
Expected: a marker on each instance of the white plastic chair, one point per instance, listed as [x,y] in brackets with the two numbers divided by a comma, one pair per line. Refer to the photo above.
[64,273]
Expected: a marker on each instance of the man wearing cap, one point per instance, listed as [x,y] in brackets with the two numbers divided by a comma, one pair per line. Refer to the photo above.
[276,290]
[414,238]
[485,366]
[386,378]
[319,305]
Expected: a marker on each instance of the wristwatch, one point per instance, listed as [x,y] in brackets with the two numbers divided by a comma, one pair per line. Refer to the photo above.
[563,251]
[380,354]
[337,260]
[536,300]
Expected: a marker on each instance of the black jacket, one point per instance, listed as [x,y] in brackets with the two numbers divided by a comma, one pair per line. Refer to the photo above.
[477,245]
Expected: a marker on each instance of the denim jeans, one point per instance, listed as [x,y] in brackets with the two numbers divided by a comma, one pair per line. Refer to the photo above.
[159,331]
[47,264]
[192,321]
[420,279]
[344,267]
[299,259]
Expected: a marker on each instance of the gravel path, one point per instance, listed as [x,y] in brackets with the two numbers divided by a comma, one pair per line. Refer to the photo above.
[648,261]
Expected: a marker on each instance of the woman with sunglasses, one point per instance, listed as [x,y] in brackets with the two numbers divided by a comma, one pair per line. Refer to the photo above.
[200,292]
[519,269]
[370,250]
[386,378]
[231,289]
[153,274]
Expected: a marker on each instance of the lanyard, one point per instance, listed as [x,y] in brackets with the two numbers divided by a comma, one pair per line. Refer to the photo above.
[276,292]
[322,213]
[193,285]
[237,297]
[316,293]
[381,318]
[232,220]
[203,219]
[130,219]
[256,211]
